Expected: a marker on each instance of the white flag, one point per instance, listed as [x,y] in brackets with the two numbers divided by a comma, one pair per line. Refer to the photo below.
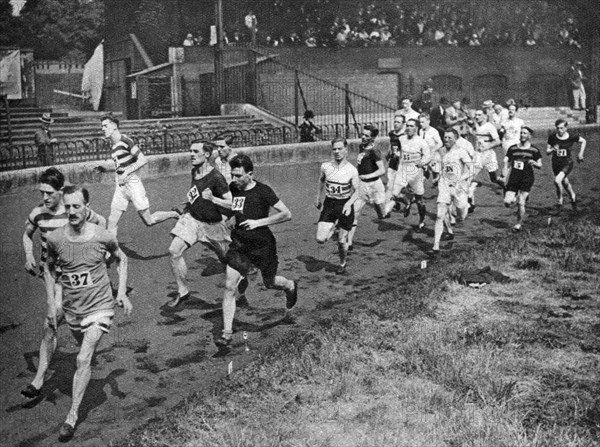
[93,77]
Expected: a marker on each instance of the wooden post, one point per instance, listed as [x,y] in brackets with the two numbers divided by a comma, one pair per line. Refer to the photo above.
[219,68]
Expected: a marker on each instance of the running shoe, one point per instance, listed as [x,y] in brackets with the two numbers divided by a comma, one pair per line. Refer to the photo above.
[291,296]
[66,432]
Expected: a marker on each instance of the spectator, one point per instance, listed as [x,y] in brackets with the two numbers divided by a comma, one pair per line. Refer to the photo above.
[499,115]
[308,131]
[189,40]
[44,141]
[576,80]
[251,25]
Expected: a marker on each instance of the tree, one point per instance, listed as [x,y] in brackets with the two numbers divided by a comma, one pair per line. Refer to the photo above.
[11,28]
[62,29]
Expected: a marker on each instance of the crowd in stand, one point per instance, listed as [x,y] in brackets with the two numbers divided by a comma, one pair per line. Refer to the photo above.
[428,23]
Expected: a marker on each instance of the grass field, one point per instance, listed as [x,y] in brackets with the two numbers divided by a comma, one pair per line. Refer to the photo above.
[426,361]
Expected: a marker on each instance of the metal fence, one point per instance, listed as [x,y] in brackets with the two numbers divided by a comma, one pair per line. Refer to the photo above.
[288,92]
[13,157]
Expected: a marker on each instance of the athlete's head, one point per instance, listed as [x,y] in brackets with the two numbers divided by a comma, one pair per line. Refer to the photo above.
[526,134]
[411,127]
[51,184]
[407,102]
[242,170]
[369,133]
[512,110]
[480,116]
[76,200]
[424,120]
[561,126]
[339,147]
[109,125]
[498,108]
[200,151]
[222,144]
[450,137]
[398,123]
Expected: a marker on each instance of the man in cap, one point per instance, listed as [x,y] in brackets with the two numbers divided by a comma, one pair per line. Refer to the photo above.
[576,79]
[43,140]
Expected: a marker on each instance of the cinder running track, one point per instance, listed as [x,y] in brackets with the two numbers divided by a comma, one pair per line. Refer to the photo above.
[157,357]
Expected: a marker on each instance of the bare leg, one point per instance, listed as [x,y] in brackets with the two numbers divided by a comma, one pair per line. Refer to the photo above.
[442,212]
[232,279]
[558,183]
[178,265]
[84,370]
[113,221]
[157,216]
[47,348]
[343,246]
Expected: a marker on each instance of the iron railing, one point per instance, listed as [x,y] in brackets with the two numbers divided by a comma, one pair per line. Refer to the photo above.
[23,156]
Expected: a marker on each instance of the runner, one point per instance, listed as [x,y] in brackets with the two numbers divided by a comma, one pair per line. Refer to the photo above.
[407,111]
[486,139]
[431,136]
[48,216]
[393,160]
[76,258]
[370,171]
[414,155]
[510,129]
[128,159]
[252,241]
[453,183]
[518,169]
[560,145]
[224,156]
[202,220]
[340,181]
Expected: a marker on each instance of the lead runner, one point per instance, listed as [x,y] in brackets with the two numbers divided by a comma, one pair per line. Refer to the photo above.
[79,250]
[340,181]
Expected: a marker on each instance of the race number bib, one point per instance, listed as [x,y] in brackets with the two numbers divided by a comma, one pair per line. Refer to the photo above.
[193,194]
[238,204]
[79,280]
[338,191]
[518,165]
[406,157]
[116,162]
[561,152]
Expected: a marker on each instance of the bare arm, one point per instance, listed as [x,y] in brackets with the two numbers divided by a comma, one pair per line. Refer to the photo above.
[30,263]
[320,187]
[583,143]
[282,214]
[122,269]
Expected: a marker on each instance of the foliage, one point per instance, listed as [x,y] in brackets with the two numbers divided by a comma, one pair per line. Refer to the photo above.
[55,29]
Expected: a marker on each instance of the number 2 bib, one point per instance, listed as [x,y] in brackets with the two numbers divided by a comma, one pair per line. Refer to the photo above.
[518,165]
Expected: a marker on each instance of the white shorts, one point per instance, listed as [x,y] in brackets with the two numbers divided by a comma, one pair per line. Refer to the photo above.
[216,236]
[371,193]
[101,320]
[409,175]
[391,175]
[488,160]
[457,193]
[132,191]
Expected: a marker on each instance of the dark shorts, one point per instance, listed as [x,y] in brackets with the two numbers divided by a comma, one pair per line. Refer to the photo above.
[260,251]
[519,184]
[562,165]
[332,212]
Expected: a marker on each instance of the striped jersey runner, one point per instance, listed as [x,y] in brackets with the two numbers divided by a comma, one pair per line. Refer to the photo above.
[124,154]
